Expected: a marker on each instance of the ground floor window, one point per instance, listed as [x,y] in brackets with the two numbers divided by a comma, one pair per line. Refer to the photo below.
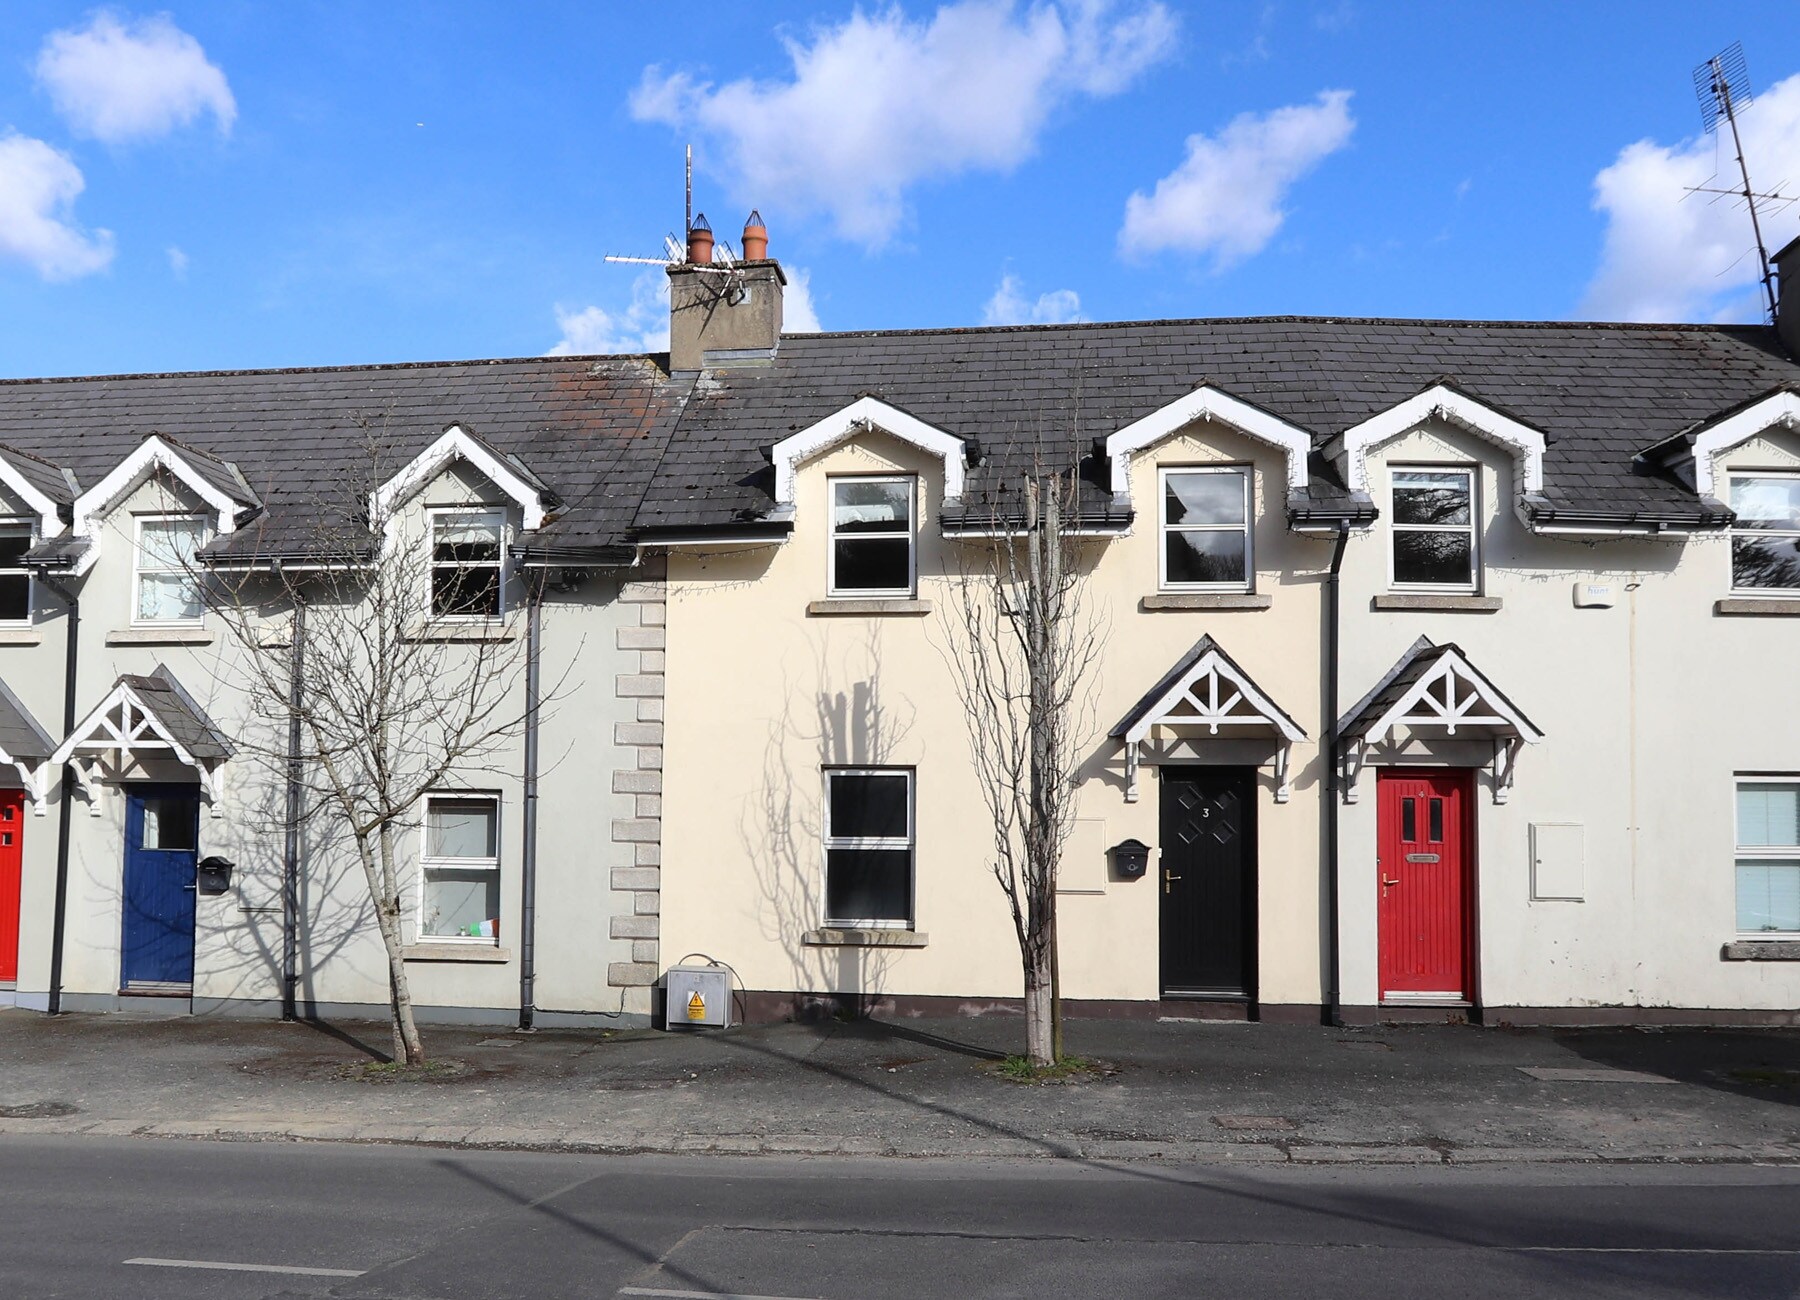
[1768,855]
[461,887]
[869,846]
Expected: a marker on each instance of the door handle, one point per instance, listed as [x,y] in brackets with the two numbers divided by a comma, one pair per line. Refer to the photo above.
[1386,883]
[189,888]
[1169,878]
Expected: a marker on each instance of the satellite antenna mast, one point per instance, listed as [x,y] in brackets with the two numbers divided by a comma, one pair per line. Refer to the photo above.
[1723,86]
[687,220]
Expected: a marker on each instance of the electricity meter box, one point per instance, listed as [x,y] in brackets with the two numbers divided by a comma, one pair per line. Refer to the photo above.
[698,997]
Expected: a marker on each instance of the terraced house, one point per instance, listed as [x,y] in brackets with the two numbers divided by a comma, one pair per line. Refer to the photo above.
[1445,668]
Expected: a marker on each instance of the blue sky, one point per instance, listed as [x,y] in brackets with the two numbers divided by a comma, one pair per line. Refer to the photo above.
[229,183]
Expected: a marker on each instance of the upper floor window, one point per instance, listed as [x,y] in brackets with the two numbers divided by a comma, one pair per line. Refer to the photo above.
[872,536]
[461,885]
[1768,855]
[467,563]
[167,579]
[1765,537]
[15,579]
[869,847]
[1206,529]
[1433,527]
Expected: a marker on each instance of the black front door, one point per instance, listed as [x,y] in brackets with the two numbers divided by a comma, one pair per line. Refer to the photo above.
[1207,881]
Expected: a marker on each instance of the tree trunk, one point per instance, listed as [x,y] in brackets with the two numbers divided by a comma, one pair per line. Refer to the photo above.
[1039,1000]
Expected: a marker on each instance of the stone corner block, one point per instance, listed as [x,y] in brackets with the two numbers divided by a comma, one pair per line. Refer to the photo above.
[631,974]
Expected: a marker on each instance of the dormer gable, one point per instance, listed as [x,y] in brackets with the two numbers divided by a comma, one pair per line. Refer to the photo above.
[217,483]
[868,415]
[1206,403]
[1693,454]
[1441,401]
[47,490]
[525,489]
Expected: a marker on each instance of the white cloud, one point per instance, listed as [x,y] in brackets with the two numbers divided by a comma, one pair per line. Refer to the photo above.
[129,79]
[1669,255]
[879,103]
[38,186]
[1009,306]
[178,262]
[643,324]
[1226,197]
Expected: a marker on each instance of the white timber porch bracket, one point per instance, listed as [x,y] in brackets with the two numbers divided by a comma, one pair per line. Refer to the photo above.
[120,731]
[865,415]
[1777,412]
[453,444]
[1435,690]
[33,779]
[1442,402]
[1206,403]
[1204,692]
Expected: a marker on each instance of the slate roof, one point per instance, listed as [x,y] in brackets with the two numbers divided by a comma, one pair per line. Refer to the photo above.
[591,428]
[1420,658]
[1044,394]
[53,481]
[22,737]
[184,720]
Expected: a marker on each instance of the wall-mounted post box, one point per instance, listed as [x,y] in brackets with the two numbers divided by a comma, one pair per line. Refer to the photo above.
[1131,859]
[213,874]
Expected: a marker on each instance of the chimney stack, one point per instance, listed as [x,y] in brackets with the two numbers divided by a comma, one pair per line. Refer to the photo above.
[725,317]
[1787,297]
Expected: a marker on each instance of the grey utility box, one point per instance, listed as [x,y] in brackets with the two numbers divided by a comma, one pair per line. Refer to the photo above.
[698,997]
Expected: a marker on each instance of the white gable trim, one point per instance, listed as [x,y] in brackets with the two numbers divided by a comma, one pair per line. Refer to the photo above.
[49,524]
[1777,411]
[866,415]
[151,454]
[1207,403]
[1443,402]
[452,445]
[136,731]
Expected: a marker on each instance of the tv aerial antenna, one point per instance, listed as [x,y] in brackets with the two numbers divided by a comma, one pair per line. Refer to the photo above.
[1722,84]
[724,258]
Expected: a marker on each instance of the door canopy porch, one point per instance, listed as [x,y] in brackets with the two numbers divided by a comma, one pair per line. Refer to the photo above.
[1205,691]
[25,747]
[140,718]
[1435,691]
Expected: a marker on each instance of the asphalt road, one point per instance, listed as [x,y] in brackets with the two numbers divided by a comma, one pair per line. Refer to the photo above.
[82,1216]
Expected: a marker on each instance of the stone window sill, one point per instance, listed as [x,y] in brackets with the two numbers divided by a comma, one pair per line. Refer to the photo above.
[1757,607]
[834,938]
[1205,600]
[160,636]
[476,952]
[842,607]
[20,636]
[1442,604]
[1761,950]
[474,632]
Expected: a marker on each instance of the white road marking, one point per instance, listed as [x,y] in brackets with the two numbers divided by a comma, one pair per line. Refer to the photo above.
[1650,1250]
[695,1295]
[249,1268]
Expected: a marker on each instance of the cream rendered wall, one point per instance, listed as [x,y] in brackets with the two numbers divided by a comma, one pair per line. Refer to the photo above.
[342,964]
[750,728]
[1647,708]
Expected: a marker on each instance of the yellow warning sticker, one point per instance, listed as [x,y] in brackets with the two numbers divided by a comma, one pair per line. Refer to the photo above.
[696,1006]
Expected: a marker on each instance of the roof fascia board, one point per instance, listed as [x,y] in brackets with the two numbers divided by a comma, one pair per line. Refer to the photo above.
[1450,662]
[1206,403]
[50,523]
[151,454]
[1213,661]
[866,415]
[1778,411]
[1440,401]
[453,444]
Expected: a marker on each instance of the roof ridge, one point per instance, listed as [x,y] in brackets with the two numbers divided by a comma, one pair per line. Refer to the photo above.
[1697,327]
[585,357]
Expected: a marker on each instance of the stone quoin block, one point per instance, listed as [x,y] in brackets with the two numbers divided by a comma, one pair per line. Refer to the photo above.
[637,733]
[643,950]
[637,782]
[649,855]
[635,830]
[643,638]
[637,878]
[631,974]
[636,927]
[632,685]
[649,805]
[646,903]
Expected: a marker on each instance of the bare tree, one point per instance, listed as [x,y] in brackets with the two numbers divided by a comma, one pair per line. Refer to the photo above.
[1023,646]
[400,686]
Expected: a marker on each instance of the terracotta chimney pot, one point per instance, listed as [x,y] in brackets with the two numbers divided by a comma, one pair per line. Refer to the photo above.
[756,238]
[699,240]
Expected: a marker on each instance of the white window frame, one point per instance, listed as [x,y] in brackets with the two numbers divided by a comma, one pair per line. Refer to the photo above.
[909,843]
[1742,851]
[911,534]
[1765,593]
[1472,475]
[432,515]
[139,571]
[427,863]
[31,524]
[1246,474]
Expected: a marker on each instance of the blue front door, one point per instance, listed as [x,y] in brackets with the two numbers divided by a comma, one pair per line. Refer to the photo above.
[162,828]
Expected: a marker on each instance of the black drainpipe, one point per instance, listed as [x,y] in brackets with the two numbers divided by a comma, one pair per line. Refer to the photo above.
[66,808]
[534,636]
[1334,1009]
[290,866]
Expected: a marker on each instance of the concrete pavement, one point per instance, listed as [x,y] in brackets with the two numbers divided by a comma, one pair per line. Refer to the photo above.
[1173,1092]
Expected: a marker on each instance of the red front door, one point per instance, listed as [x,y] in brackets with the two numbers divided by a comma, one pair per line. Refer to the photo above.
[12,826]
[1423,824]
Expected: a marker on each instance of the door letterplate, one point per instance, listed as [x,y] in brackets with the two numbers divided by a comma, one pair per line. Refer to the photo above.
[1422,857]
